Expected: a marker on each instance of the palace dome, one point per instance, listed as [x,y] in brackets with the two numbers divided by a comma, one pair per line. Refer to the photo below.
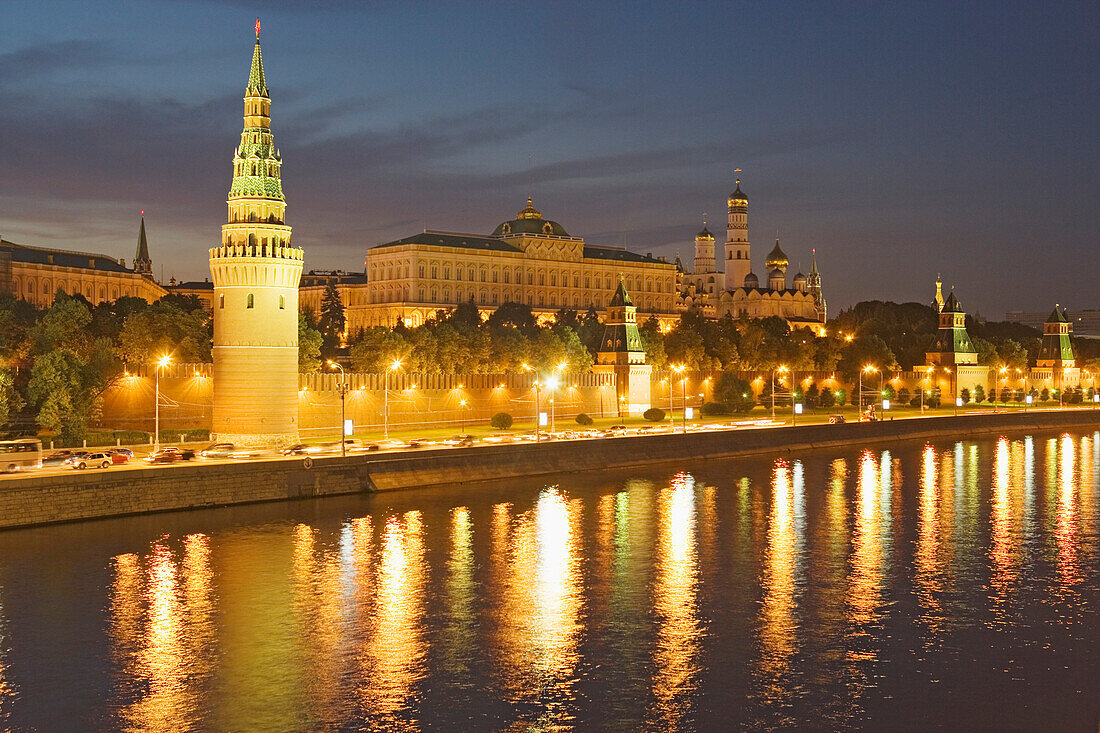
[529,221]
[752,281]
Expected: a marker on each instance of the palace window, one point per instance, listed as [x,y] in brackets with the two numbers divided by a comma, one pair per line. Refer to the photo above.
[221,300]
[282,302]
[250,301]
[420,271]
[507,277]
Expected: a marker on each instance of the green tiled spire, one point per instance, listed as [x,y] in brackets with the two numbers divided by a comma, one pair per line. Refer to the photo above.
[257,85]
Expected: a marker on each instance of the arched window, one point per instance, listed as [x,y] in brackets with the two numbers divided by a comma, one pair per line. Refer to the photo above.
[250,301]
[221,300]
[282,302]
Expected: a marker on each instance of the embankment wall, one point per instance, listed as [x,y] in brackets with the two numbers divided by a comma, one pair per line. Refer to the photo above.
[44,499]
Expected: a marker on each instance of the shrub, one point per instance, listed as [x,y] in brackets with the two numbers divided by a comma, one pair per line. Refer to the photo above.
[979,394]
[826,398]
[841,397]
[584,419]
[965,396]
[1044,395]
[714,408]
[654,414]
[501,421]
[904,396]
[733,392]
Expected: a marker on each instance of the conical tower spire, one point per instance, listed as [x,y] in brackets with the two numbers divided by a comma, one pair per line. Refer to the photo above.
[143,264]
[257,85]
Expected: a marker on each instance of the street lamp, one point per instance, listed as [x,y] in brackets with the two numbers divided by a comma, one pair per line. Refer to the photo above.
[386,399]
[161,363]
[343,395]
[954,397]
[552,384]
[782,370]
[462,414]
[927,375]
[868,369]
[537,400]
[679,369]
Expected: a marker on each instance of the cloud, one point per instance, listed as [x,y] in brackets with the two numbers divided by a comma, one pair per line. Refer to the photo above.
[37,61]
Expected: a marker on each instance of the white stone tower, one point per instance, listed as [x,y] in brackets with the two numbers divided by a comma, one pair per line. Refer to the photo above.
[704,251]
[738,264]
[256,274]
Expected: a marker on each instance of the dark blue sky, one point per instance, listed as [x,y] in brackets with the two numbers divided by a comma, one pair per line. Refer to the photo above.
[900,139]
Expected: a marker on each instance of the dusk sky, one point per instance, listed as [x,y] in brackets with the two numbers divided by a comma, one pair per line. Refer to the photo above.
[899,139]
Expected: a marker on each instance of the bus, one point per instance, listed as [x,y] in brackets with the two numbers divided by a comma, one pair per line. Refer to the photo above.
[21,454]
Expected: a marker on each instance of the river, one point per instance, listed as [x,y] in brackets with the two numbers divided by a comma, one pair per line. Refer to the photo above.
[953,584]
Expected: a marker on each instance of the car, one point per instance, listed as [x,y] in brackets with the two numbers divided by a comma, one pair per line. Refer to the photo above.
[91,460]
[298,449]
[57,458]
[217,450]
[167,455]
[75,456]
[120,455]
[836,419]
[415,442]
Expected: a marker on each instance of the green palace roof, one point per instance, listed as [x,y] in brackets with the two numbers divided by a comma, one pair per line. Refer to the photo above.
[530,221]
[62,258]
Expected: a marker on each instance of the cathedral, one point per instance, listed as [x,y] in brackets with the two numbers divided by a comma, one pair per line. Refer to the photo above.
[736,290]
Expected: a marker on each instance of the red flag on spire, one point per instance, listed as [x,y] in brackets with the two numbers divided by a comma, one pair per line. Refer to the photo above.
[143,212]
[257,27]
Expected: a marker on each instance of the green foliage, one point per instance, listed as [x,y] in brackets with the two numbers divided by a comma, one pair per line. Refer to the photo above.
[964,395]
[826,399]
[733,392]
[904,396]
[501,421]
[377,349]
[309,346]
[584,419]
[332,322]
[654,414]
[11,402]
[163,328]
[710,409]
[979,394]
[841,396]
[1044,395]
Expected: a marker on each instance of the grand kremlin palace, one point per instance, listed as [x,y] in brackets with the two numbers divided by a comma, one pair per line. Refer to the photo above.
[528,260]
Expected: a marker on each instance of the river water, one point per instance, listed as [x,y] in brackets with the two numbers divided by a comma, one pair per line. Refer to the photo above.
[947,585]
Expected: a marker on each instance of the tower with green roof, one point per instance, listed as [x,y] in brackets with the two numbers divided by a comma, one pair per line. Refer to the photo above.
[256,272]
[622,353]
[953,345]
[1057,349]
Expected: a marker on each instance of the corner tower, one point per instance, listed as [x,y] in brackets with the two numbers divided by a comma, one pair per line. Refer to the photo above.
[738,264]
[256,273]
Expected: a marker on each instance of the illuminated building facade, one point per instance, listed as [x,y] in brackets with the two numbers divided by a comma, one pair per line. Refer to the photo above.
[35,274]
[621,353]
[256,273]
[528,260]
[738,291]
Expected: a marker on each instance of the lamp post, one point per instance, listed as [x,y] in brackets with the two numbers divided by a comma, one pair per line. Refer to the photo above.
[679,369]
[954,399]
[927,375]
[386,399]
[161,363]
[531,369]
[868,369]
[343,395]
[782,370]
[462,414]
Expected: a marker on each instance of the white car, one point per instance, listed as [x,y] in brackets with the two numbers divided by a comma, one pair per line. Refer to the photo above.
[92,460]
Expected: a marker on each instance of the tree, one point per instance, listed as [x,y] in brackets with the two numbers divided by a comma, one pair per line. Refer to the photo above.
[309,346]
[66,387]
[163,328]
[653,341]
[1012,354]
[964,395]
[378,349]
[979,394]
[501,421]
[516,316]
[11,402]
[733,392]
[1044,396]
[332,322]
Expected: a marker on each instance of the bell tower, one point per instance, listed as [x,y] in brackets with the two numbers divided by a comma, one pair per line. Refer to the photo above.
[256,273]
[738,264]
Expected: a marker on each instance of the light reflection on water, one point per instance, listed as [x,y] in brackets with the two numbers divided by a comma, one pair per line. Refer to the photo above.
[842,591]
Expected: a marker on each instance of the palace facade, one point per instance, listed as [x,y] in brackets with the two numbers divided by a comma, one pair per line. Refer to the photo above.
[35,274]
[737,291]
[527,259]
